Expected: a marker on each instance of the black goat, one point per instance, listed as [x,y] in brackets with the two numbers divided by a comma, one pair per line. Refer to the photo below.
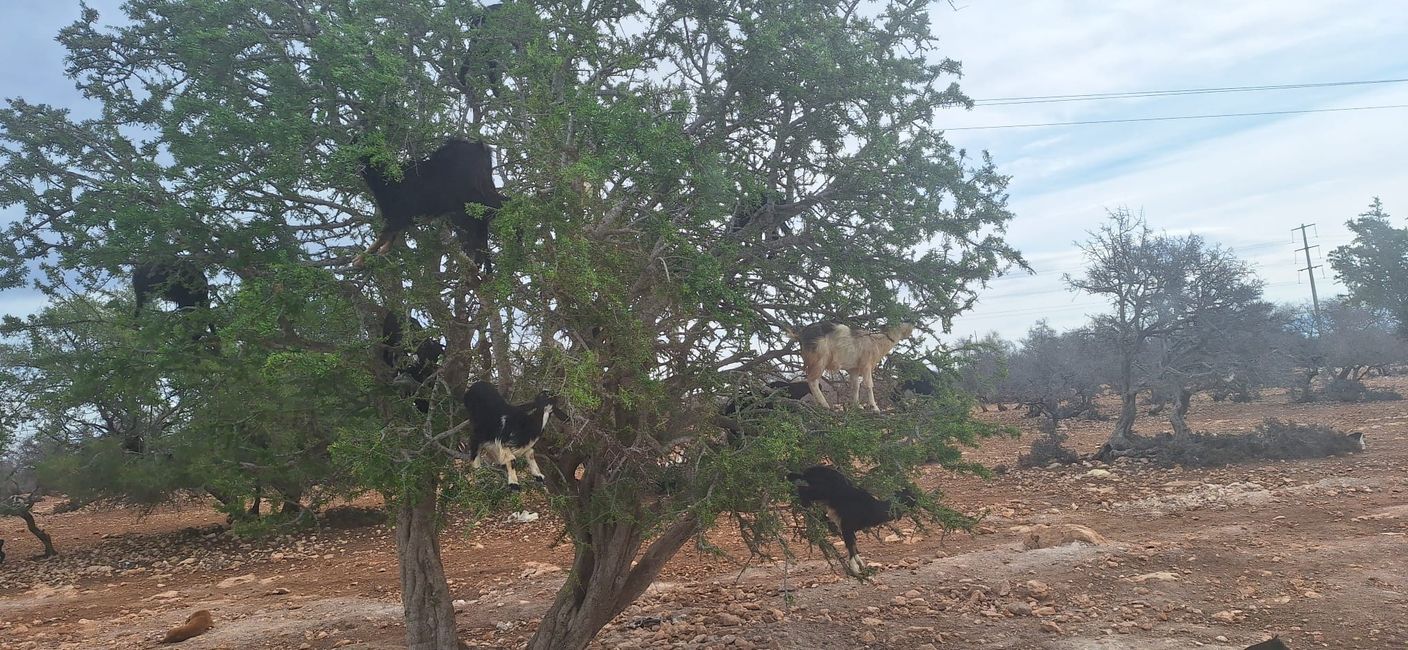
[760,206]
[754,401]
[179,280]
[482,53]
[1273,643]
[423,363]
[506,432]
[460,172]
[849,508]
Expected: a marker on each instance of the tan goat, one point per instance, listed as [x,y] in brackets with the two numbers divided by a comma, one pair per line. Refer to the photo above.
[833,346]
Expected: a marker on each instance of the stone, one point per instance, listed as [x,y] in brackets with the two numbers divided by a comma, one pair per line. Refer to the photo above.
[236,581]
[1044,536]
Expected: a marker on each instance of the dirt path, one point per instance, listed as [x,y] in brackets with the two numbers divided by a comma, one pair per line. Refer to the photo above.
[1316,551]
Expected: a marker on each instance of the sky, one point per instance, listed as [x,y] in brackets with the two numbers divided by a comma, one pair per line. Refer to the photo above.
[1243,182]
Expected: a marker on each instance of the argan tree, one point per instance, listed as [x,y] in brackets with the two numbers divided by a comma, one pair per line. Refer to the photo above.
[1173,300]
[1374,267]
[686,181]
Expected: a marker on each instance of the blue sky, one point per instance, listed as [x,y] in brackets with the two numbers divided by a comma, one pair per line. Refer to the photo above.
[1243,182]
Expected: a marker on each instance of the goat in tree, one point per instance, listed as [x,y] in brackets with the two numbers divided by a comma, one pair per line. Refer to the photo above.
[455,175]
[506,432]
[774,395]
[179,280]
[833,346]
[849,508]
[410,375]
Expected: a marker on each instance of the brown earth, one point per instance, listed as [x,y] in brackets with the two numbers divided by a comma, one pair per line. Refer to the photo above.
[1316,551]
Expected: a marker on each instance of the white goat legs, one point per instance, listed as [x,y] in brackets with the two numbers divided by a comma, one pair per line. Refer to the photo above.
[814,383]
[868,374]
[533,465]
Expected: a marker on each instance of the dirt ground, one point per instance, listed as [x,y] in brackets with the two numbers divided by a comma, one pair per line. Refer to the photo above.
[1316,551]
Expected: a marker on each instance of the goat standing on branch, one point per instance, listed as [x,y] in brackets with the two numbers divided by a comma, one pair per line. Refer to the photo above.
[833,346]
[459,173]
[505,431]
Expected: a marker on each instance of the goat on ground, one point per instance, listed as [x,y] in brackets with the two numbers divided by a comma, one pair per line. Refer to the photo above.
[460,172]
[506,432]
[833,346]
[849,508]
[753,401]
[423,363]
[180,281]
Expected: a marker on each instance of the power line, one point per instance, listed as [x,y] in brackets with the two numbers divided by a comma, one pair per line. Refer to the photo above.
[1176,117]
[1081,97]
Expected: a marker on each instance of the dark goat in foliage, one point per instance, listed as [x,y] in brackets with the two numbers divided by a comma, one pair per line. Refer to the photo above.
[756,401]
[506,432]
[411,374]
[459,173]
[180,281]
[479,47]
[849,508]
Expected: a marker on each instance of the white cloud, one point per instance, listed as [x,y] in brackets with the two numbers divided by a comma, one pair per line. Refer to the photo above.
[1243,182]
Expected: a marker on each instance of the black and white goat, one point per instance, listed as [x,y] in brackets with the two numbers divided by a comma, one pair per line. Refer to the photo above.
[460,172]
[506,432]
[178,280]
[849,508]
[834,346]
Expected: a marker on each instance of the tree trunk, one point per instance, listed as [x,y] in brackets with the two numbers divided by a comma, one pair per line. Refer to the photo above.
[1124,426]
[603,583]
[429,614]
[1178,416]
[33,527]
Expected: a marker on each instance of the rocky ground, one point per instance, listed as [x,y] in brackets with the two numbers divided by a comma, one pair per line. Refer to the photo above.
[1316,551]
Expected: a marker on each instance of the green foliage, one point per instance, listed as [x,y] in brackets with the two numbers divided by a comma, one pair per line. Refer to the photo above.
[635,272]
[1374,267]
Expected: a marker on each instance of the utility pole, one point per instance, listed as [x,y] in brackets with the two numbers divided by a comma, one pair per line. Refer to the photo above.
[1309,269]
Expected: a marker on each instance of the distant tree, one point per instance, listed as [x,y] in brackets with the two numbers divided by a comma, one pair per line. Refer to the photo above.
[1214,317]
[1057,375]
[1374,266]
[1355,341]
[982,368]
[1347,343]
[1173,300]
[1131,267]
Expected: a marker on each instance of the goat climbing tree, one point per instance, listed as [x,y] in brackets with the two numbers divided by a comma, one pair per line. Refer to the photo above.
[636,270]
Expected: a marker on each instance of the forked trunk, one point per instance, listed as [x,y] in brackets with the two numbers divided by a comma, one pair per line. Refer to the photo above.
[1178,417]
[603,582]
[429,613]
[43,537]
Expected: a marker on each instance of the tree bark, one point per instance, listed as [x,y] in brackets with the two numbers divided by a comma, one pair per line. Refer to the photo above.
[603,583]
[1124,426]
[1178,416]
[429,613]
[48,542]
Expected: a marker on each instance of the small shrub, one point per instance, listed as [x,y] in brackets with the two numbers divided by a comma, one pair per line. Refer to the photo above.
[1382,395]
[1345,390]
[1291,440]
[1047,449]
[1353,390]
[1272,440]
